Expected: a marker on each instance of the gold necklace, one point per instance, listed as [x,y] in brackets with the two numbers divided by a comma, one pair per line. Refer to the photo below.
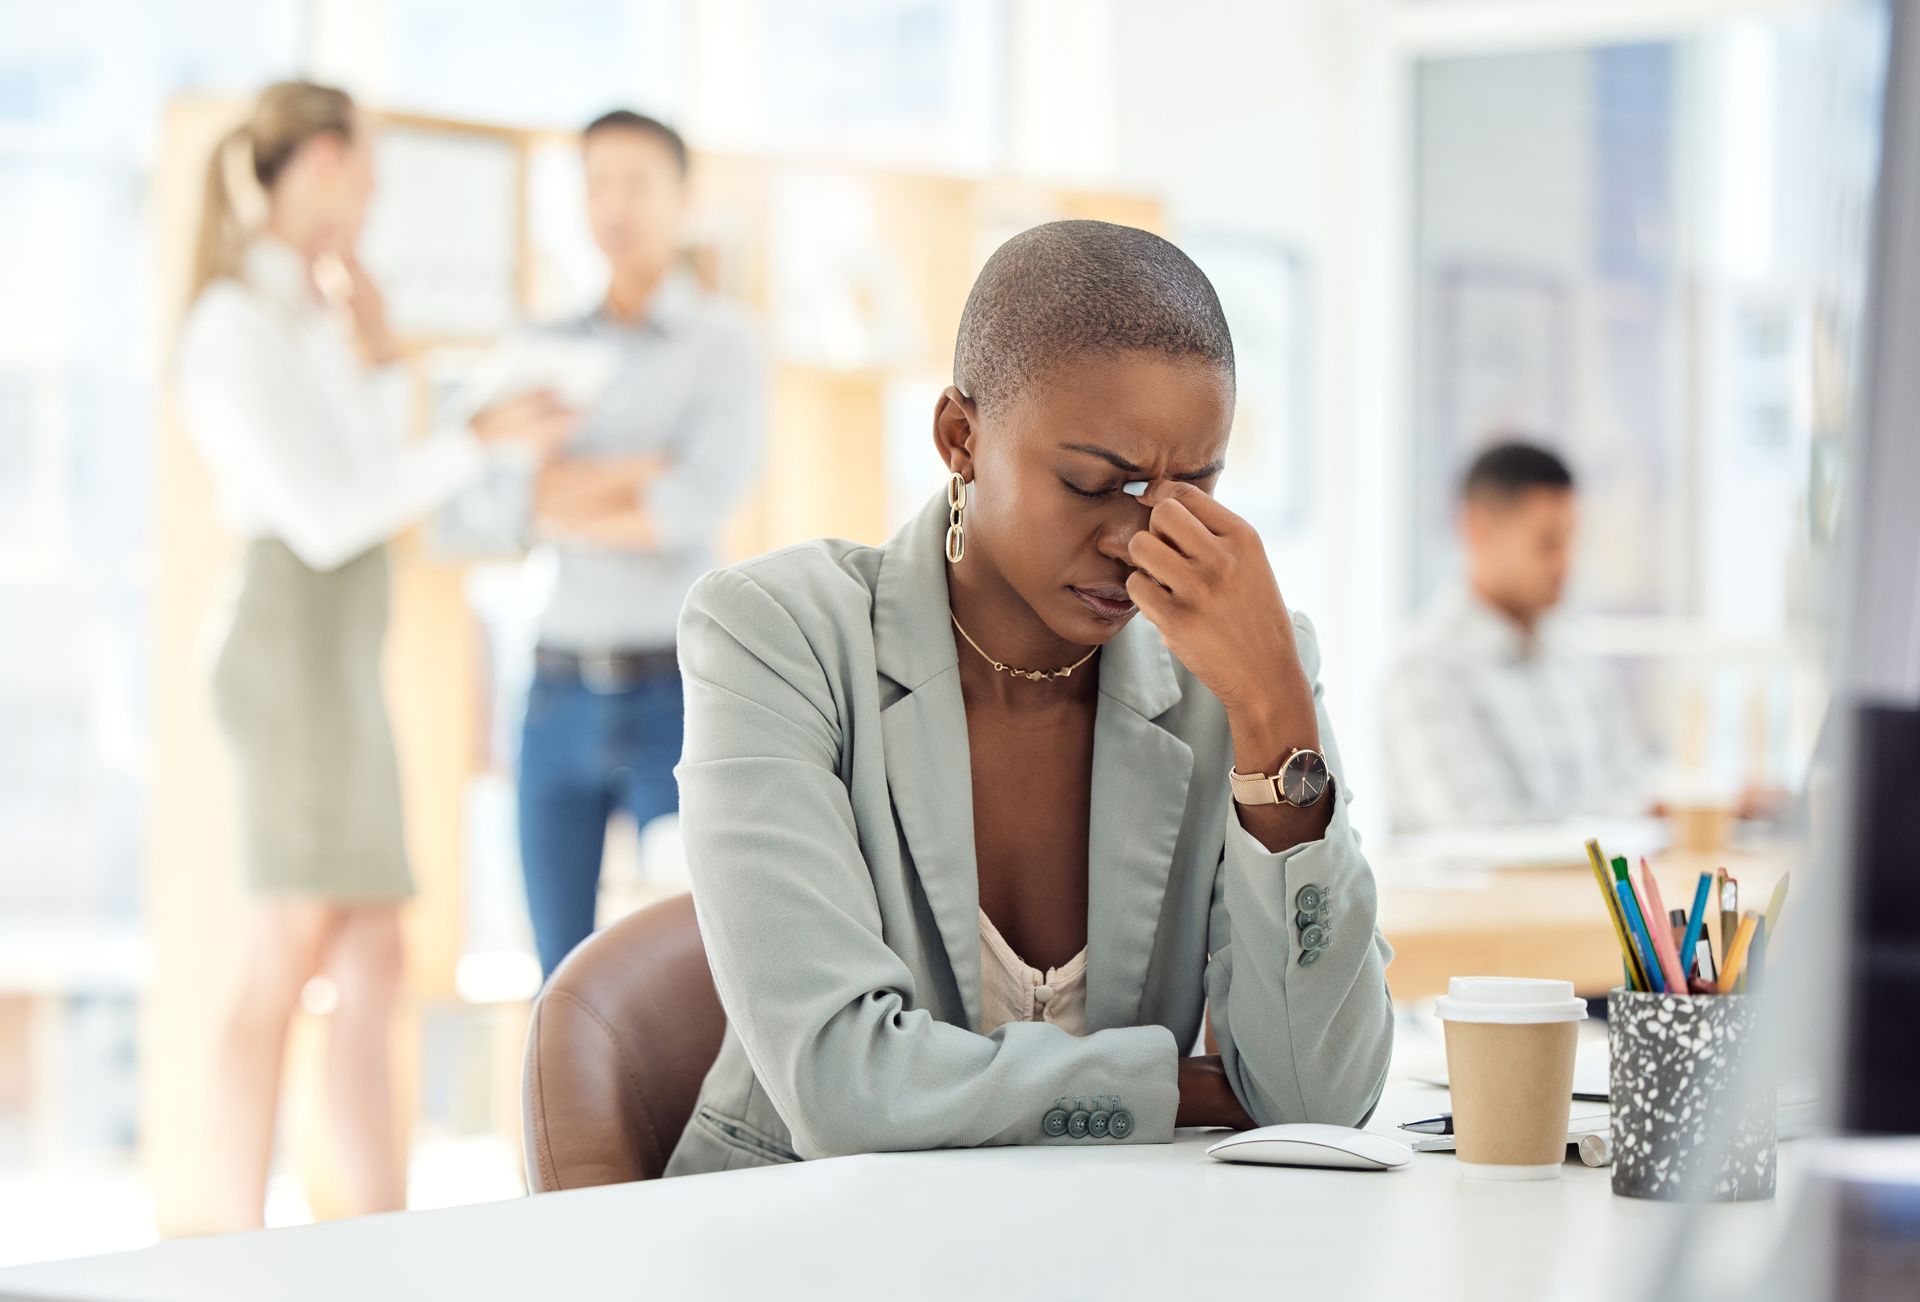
[1034,675]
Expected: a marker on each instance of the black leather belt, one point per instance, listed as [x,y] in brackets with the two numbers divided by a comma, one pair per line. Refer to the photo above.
[606,671]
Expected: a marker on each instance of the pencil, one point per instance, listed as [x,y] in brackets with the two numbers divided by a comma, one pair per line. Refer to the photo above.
[1725,932]
[1737,953]
[1777,903]
[1729,915]
[1665,952]
[1605,879]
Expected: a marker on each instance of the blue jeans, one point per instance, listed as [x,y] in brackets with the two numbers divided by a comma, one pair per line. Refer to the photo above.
[584,754]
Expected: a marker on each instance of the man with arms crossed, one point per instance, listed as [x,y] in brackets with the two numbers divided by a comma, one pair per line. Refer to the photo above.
[631,512]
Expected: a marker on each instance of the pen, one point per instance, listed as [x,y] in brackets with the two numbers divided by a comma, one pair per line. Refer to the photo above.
[1601,875]
[1737,953]
[1642,942]
[1440,1125]
[1756,957]
[1654,909]
[1690,946]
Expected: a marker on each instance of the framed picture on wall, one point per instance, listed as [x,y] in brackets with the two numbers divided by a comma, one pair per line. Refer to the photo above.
[1262,283]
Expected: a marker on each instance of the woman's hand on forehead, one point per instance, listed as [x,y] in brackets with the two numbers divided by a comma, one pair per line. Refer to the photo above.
[1201,575]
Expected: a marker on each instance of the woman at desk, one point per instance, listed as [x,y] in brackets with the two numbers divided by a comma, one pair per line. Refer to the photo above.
[973,847]
[287,389]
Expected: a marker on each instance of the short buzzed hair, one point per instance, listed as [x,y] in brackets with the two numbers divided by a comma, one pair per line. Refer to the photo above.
[627,120]
[1071,288]
[1511,467]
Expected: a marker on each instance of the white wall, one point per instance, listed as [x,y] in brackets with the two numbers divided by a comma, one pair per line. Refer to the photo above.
[1275,120]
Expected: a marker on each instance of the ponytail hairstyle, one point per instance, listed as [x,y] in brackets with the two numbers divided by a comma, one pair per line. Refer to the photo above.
[286,116]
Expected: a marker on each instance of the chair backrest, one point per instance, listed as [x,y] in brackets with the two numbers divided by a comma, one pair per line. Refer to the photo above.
[620,1041]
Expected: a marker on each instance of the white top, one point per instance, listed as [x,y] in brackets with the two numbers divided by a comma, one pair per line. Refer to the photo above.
[1011,990]
[305,443]
[1486,724]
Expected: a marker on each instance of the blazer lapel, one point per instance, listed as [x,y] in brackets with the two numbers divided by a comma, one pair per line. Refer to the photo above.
[929,769]
[1140,777]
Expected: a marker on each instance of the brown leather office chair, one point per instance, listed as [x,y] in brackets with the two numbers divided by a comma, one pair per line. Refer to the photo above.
[621,1038]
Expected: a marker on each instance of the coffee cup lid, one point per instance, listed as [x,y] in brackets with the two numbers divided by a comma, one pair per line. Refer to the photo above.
[1509,999]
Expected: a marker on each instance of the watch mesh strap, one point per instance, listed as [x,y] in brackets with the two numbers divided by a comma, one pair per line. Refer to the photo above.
[1255,788]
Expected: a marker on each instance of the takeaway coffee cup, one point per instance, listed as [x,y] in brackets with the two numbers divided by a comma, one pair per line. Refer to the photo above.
[1510,1046]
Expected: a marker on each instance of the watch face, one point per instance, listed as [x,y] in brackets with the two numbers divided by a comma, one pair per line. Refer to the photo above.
[1304,779]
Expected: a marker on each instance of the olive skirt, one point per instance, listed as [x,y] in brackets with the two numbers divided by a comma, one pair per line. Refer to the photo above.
[298,694]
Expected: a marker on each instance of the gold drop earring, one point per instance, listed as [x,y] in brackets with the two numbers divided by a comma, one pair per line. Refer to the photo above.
[956,517]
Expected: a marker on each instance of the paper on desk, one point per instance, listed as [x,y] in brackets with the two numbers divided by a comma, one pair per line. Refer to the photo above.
[1578,1128]
[1793,1119]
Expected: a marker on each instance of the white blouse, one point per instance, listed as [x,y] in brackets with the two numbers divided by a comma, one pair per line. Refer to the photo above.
[305,442]
[1013,991]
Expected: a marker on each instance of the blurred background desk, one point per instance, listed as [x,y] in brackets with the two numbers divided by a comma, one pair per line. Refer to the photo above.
[1544,922]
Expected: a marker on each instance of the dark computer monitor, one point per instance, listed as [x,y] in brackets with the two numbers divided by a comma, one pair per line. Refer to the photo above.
[1882,1077]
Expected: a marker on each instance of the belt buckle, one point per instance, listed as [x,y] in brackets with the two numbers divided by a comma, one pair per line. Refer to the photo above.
[600,673]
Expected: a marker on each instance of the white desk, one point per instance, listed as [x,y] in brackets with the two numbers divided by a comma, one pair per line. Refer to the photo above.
[1148,1221]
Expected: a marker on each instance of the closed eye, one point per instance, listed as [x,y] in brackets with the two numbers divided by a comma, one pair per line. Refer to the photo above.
[1078,491]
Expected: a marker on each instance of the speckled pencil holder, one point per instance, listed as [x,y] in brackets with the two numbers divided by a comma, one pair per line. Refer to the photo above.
[1688,1123]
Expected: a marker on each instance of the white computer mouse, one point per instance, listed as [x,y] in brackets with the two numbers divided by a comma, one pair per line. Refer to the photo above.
[1309,1144]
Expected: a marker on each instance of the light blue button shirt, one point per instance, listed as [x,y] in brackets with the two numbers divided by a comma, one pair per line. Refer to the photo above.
[690,387]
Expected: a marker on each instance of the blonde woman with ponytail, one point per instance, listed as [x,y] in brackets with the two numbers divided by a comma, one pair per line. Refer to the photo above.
[287,388]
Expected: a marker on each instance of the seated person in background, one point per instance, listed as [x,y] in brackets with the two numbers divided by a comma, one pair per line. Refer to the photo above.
[1489,716]
[954,900]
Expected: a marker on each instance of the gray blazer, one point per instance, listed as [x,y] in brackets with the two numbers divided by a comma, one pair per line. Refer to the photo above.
[827,812]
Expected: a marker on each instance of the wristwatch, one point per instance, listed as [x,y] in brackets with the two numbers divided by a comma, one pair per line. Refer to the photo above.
[1301,781]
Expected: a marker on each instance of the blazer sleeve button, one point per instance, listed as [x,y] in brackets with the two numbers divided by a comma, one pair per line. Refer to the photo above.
[1313,936]
[1097,1123]
[1308,957]
[1055,1123]
[1120,1124]
[1077,1124]
[1308,899]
